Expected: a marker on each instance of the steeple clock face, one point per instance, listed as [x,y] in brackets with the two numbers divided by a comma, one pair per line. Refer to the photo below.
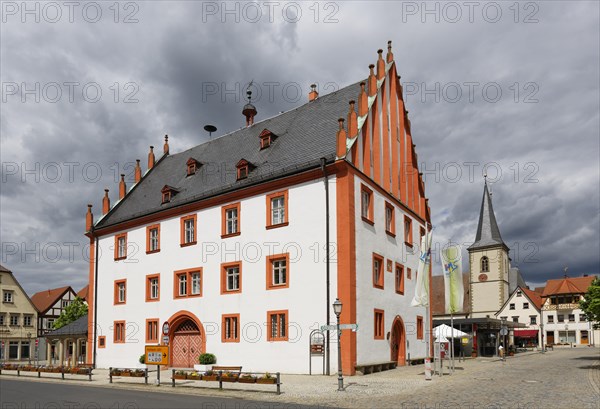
[483,277]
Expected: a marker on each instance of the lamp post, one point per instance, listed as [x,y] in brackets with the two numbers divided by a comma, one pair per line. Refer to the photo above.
[504,332]
[29,346]
[567,334]
[337,309]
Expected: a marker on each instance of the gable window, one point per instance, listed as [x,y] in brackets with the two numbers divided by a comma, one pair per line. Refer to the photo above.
[399,279]
[153,239]
[266,137]
[120,292]
[7,296]
[230,216]
[120,246]
[167,193]
[277,209]
[231,277]
[192,166]
[153,287]
[188,283]
[230,328]
[377,271]
[152,330]
[277,322]
[511,306]
[485,264]
[532,320]
[14,320]
[188,230]
[525,305]
[119,332]
[408,231]
[519,293]
[65,303]
[278,271]
[419,327]
[378,324]
[390,219]
[366,204]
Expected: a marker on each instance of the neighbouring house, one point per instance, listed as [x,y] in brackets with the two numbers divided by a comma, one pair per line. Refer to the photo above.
[18,320]
[564,322]
[83,293]
[69,342]
[232,238]
[50,304]
[523,306]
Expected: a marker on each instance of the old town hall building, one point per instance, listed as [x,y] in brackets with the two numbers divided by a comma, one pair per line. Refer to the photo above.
[226,241]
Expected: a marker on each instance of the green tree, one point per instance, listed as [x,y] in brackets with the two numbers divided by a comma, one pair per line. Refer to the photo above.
[591,303]
[77,309]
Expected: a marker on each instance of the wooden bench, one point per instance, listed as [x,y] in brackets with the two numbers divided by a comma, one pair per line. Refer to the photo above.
[218,374]
[237,369]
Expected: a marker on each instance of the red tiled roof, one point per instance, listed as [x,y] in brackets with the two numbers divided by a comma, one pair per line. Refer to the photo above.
[46,299]
[539,290]
[83,293]
[534,297]
[568,285]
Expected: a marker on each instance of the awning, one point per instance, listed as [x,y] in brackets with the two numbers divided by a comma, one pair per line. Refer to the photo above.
[526,333]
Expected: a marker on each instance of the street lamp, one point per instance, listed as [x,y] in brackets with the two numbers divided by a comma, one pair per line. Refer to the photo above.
[567,333]
[29,346]
[503,332]
[337,309]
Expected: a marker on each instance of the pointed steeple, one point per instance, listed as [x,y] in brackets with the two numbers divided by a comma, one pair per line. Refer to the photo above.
[488,233]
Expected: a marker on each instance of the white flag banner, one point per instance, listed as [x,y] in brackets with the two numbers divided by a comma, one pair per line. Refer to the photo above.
[421,298]
[453,282]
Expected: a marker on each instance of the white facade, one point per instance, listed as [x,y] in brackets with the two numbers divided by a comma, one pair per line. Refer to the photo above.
[519,308]
[566,324]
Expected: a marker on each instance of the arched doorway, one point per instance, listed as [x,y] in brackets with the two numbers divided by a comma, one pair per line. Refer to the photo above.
[187,340]
[398,342]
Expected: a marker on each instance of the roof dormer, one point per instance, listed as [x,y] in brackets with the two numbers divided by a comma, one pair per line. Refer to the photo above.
[266,137]
[192,166]
[243,169]
[168,192]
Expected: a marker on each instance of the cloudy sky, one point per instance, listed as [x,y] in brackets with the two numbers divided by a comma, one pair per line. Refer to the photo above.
[508,89]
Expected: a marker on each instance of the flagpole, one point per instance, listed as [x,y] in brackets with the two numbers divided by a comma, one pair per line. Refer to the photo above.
[452,340]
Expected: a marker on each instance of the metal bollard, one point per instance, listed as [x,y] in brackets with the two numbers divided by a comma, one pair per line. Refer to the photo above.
[62,372]
[110,374]
[146,376]
[278,383]
[220,379]
[173,378]
[90,374]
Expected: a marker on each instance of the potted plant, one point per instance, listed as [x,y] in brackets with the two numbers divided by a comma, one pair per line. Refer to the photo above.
[206,361]
[179,375]
[247,378]
[267,378]
[142,359]
[195,376]
[126,372]
[138,373]
[210,376]
[229,377]
[116,372]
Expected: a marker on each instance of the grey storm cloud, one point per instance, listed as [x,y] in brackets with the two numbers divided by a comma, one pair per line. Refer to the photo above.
[513,94]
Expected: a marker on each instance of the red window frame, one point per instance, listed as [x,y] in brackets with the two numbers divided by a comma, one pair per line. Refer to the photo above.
[119,335]
[152,330]
[278,336]
[235,335]
[378,323]
[116,300]
[378,281]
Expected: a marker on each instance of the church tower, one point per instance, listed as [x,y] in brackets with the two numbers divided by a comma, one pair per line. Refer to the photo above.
[490,265]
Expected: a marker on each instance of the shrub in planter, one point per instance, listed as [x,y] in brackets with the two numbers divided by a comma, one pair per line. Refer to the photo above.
[229,377]
[116,372]
[267,378]
[179,375]
[207,359]
[247,378]
[138,373]
[210,376]
[195,376]
[125,372]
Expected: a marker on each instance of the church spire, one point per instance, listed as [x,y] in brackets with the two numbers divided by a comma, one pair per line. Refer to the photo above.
[488,233]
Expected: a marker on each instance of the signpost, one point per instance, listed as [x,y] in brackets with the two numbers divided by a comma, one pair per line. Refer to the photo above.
[157,355]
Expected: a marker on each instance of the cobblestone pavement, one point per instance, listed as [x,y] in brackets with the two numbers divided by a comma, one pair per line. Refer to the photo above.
[563,378]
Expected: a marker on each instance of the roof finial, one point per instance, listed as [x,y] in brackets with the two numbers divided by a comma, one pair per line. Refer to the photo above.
[565,270]
[249,110]
[485,178]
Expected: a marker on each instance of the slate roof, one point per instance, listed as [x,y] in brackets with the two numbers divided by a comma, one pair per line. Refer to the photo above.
[488,233]
[47,298]
[568,285]
[77,327]
[303,136]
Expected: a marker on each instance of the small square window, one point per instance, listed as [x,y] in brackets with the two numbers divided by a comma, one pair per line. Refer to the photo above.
[7,296]
[550,319]
[511,306]
[532,320]
[525,305]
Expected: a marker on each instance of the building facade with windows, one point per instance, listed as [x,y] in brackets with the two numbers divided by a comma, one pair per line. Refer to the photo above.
[225,245]
[18,320]
[564,321]
[524,307]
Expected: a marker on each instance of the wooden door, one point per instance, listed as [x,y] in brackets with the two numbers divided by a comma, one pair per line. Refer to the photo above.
[398,343]
[186,345]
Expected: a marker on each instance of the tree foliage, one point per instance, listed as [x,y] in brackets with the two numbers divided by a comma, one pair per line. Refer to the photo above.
[591,303]
[77,309]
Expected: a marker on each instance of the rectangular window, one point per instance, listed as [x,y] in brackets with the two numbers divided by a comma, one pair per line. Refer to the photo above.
[390,219]
[14,320]
[196,284]
[399,278]
[188,230]
[408,273]
[153,239]
[27,320]
[378,324]
[519,293]
[153,287]
[13,349]
[2,322]
[230,328]
[120,292]
[560,318]
[511,306]
[582,318]
[419,327]
[525,305]
[230,225]
[515,319]
[277,209]
[152,330]
[121,246]
[65,303]
[24,349]
[550,319]
[408,231]
[7,296]
[277,322]
[182,280]
[278,271]
[188,283]
[102,341]
[571,317]
[366,204]
[231,277]
[50,323]
[377,271]
[119,332]
[532,320]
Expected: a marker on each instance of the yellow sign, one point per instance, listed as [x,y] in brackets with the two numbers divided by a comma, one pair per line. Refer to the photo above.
[464,340]
[157,355]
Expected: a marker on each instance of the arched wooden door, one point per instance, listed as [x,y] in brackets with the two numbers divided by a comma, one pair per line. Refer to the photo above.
[186,344]
[398,342]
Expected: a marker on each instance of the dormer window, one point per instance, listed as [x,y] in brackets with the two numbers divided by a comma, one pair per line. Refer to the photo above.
[167,193]
[266,137]
[192,166]
[243,169]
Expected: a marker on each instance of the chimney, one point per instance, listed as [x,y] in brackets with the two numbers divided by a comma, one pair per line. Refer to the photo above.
[89,218]
[249,110]
[313,94]
[138,171]
[166,145]
[352,120]
[372,81]
[151,158]
[122,187]
[341,140]
[390,56]
[380,65]
[105,202]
